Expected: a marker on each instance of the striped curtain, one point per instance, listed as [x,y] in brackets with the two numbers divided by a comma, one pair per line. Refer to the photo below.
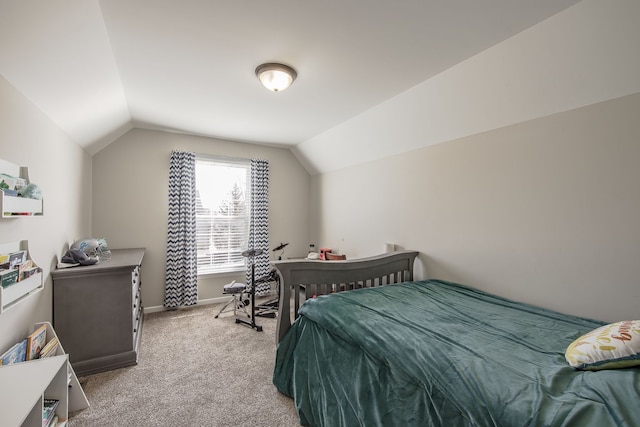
[259,225]
[181,287]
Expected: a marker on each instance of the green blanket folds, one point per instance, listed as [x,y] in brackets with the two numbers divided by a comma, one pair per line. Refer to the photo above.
[434,353]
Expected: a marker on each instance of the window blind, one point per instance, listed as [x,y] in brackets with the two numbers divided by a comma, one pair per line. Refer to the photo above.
[223,187]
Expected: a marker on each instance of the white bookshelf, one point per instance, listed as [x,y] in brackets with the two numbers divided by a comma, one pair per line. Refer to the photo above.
[14,206]
[25,385]
[77,399]
[13,294]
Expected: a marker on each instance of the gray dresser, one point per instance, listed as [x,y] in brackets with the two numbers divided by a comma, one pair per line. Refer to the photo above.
[97,312]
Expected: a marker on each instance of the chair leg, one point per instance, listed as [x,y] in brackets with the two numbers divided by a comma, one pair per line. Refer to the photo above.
[236,299]
[231,301]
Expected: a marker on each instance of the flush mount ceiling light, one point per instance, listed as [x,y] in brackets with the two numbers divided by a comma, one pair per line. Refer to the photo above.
[276,77]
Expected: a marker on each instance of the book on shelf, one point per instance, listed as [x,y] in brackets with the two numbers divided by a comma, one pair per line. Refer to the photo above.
[29,272]
[9,277]
[17,353]
[15,267]
[49,348]
[49,411]
[17,258]
[22,267]
[35,342]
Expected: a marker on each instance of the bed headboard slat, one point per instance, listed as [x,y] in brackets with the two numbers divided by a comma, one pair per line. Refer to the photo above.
[313,277]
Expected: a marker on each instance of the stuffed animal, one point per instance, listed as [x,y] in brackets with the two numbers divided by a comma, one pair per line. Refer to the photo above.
[30,191]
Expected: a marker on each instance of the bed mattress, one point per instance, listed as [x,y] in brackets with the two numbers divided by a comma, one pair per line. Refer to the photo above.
[435,353]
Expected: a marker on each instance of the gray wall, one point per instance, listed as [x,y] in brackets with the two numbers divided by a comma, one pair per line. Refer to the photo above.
[63,171]
[130,197]
[545,211]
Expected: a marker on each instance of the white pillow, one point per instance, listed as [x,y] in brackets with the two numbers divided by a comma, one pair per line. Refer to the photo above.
[616,345]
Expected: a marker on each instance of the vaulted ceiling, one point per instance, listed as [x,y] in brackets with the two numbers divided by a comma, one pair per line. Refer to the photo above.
[98,68]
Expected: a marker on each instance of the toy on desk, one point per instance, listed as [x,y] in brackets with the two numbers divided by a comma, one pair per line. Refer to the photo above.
[323,251]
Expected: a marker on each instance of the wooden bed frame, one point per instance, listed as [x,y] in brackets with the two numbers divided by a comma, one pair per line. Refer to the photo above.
[308,278]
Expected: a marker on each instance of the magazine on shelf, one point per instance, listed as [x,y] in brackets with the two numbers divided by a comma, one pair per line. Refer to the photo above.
[9,277]
[15,354]
[15,267]
[22,267]
[35,342]
[50,348]
[17,258]
[49,411]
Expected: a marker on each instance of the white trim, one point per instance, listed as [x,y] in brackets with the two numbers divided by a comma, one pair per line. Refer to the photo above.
[219,274]
[223,159]
[159,308]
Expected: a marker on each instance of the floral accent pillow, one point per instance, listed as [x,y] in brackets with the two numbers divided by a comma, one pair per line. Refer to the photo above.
[616,345]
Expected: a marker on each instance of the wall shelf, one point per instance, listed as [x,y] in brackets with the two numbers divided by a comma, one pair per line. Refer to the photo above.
[13,294]
[14,206]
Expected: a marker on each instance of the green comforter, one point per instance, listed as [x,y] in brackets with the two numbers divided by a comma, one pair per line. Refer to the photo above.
[434,353]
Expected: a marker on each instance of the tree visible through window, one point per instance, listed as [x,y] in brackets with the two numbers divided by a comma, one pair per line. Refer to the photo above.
[222,213]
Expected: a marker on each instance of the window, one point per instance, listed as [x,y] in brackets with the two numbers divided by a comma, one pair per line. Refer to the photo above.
[223,213]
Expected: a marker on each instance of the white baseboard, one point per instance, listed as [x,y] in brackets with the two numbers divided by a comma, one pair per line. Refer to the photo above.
[217,300]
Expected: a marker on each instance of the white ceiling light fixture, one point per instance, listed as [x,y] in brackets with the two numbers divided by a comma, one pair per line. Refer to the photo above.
[276,77]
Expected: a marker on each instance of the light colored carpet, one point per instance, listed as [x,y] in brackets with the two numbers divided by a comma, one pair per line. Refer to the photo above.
[193,370]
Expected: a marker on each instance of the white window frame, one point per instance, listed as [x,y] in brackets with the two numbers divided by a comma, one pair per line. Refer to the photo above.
[213,259]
